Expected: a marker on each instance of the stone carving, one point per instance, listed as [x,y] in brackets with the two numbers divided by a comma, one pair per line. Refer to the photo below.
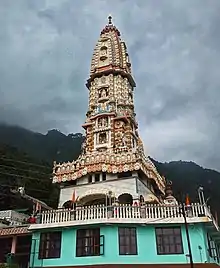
[124,140]
[83,147]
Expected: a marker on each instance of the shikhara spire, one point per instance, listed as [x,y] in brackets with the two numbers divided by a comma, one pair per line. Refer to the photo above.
[112,143]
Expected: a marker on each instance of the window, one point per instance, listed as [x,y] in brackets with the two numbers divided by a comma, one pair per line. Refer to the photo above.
[89,242]
[5,246]
[125,174]
[97,177]
[104,176]
[169,240]
[68,183]
[127,241]
[90,179]
[50,245]
[213,249]
[23,244]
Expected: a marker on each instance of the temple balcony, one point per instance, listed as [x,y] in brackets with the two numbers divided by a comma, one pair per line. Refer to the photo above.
[123,214]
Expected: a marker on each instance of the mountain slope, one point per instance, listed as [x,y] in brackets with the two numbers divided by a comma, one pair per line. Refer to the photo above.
[44,149]
[52,146]
[187,177]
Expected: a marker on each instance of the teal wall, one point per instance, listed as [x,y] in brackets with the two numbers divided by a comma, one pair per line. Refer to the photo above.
[147,252]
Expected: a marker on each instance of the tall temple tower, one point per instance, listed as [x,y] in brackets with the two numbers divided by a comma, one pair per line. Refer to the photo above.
[96,230]
[112,161]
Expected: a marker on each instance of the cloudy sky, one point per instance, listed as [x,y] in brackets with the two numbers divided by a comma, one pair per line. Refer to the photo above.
[174,46]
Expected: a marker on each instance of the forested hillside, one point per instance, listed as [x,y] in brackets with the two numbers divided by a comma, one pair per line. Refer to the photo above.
[52,146]
[18,169]
[26,158]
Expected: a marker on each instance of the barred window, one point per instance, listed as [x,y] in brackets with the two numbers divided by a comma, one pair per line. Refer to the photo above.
[169,240]
[50,245]
[212,248]
[89,242]
[127,240]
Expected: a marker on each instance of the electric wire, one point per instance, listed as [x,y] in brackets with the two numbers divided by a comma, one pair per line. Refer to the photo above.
[24,162]
[22,176]
[26,170]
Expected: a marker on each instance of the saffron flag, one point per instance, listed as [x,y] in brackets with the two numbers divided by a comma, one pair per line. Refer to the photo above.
[74,196]
[187,200]
[38,207]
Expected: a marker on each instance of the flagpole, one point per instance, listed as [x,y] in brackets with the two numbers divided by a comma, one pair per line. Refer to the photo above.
[187,232]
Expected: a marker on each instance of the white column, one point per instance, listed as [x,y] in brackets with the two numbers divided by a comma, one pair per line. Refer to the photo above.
[13,244]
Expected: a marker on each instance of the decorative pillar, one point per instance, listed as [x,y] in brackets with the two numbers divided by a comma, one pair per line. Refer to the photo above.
[93,177]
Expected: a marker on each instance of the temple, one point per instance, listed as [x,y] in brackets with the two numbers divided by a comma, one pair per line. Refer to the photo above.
[112,157]
[115,210]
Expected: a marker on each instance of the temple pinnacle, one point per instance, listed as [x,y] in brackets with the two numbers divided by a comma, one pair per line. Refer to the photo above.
[109,19]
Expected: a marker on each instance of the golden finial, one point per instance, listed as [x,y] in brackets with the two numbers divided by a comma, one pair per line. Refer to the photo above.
[109,19]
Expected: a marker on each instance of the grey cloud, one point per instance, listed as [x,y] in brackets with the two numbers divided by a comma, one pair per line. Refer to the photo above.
[45,52]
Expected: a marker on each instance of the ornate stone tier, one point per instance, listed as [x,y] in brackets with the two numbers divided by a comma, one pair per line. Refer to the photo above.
[125,116]
[107,162]
[110,69]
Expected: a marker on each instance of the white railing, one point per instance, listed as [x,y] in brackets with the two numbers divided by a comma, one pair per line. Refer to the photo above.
[120,212]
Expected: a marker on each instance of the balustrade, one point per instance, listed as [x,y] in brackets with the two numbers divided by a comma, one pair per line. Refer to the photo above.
[150,212]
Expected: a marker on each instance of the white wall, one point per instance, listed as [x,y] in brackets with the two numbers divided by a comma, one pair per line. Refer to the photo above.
[117,187]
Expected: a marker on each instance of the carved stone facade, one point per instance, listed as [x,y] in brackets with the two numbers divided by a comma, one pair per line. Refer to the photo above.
[112,144]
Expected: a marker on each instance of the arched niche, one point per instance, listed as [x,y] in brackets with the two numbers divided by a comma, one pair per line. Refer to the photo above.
[125,199]
[68,204]
[93,199]
[102,137]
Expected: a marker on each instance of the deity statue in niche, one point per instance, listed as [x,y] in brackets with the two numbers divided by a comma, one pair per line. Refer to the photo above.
[103,53]
[103,50]
[99,122]
[124,140]
[103,93]
[103,79]
[102,107]
[103,122]
[102,138]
